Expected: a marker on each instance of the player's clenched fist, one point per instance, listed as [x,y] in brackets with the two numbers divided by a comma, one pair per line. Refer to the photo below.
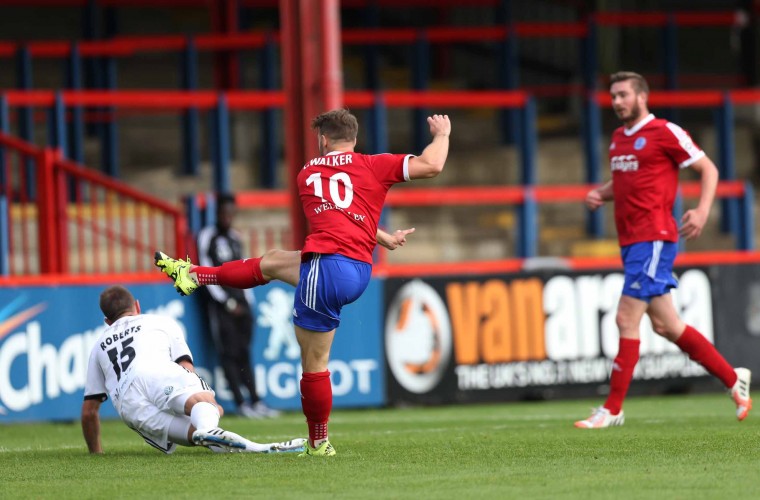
[439,125]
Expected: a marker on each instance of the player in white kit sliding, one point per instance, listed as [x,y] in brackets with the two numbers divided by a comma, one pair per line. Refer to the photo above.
[142,362]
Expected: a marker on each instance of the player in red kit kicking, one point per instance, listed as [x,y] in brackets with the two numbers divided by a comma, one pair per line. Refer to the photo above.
[646,155]
[342,193]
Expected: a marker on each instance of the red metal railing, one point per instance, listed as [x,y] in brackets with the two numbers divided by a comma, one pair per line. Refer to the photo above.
[129,45]
[76,220]
[177,100]
[472,196]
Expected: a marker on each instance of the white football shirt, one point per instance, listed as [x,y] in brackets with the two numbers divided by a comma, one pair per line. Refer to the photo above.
[131,344]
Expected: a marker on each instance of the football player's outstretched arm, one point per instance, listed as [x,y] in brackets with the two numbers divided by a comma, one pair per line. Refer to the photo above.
[91,425]
[432,159]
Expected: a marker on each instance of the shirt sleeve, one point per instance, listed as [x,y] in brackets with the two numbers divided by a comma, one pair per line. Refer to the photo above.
[95,385]
[178,348]
[390,169]
[679,146]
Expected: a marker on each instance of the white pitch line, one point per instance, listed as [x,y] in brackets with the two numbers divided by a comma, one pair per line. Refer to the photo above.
[42,448]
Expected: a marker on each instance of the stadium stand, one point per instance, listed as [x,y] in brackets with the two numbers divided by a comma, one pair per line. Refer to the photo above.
[503,72]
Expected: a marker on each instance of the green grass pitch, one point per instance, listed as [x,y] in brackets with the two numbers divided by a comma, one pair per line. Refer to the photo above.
[688,447]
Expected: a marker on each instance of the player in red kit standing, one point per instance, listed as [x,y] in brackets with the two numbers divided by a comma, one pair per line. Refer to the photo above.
[342,193]
[646,155]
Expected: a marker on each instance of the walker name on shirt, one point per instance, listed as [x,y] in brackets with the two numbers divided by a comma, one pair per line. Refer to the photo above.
[331,161]
[624,163]
[118,336]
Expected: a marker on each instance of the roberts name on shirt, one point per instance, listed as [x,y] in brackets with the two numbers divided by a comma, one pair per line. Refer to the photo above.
[118,336]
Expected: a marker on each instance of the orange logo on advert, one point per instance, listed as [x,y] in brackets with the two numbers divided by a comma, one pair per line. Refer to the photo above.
[418,337]
[497,322]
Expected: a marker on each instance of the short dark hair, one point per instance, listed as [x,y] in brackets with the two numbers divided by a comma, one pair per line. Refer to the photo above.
[337,125]
[224,199]
[115,301]
[638,82]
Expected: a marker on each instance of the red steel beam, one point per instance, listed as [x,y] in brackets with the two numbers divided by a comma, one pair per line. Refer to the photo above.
[476,195]
[313,83]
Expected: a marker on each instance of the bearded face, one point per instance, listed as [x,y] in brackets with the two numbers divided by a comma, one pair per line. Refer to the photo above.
[629,105]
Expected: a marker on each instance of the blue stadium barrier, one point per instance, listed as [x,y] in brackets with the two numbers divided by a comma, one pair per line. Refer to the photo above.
[528,141]
[727,162]
[378,117]
[76,124]
[270,151]
[190,118]
[527,238]
[589,58]
[592,133]
[5,123]
[371,52]
[5,127]
[677,214]
[57,125]
[670,62]
[509,63]
[221,145]
[108,129]
[193,214]
[420,81]
[197,216]
[4,234]
[25,116]
[747,234]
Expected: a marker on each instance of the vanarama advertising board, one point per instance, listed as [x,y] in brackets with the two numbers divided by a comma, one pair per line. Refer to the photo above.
[527,336]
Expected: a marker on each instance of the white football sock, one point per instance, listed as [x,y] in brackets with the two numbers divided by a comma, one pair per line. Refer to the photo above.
[204,416]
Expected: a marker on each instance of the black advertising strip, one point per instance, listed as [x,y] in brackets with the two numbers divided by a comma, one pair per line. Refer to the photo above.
[544,334]
[736,310]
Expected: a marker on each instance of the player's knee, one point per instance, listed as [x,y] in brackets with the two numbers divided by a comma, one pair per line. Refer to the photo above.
[670,331]
[625,322]
[270,257]
[282,265]
[201,397]
[660,328]
[274,260]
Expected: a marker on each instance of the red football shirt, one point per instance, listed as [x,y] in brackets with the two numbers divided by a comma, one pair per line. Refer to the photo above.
[645,161]
[342,196]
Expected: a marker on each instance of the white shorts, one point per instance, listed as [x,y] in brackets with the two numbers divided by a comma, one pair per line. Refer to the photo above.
[155,398]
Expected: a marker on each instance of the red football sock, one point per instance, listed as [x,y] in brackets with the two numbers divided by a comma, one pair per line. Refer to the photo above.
[206,275]
[622,373]
[316,401]
[237,274]
[703,352]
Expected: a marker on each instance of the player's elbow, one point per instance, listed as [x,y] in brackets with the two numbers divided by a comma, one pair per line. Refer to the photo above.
[714,172]
[430,169]
[706,168]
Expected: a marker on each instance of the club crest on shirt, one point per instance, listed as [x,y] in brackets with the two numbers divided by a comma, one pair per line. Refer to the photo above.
[639,143]
[168,389]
